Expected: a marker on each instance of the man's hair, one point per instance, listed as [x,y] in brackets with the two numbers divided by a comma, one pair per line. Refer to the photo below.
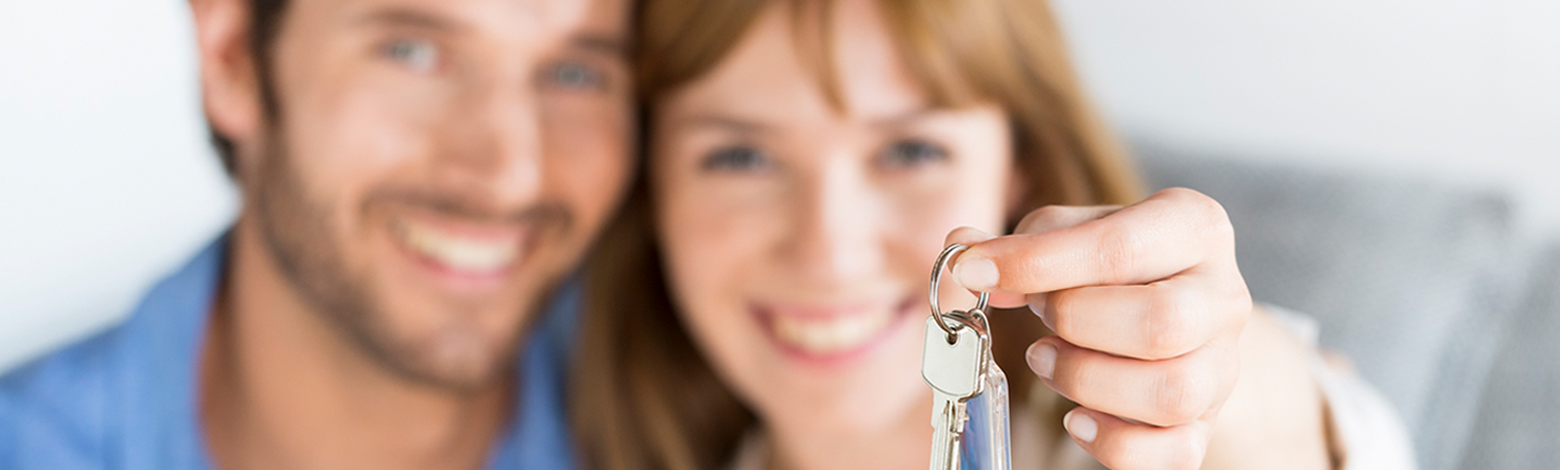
[264,18]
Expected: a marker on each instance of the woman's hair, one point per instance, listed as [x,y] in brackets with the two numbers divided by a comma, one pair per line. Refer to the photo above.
[643,395]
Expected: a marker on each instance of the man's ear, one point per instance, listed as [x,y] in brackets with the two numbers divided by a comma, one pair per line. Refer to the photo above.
[230,83]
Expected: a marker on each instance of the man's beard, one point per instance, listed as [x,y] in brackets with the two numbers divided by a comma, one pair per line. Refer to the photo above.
[299,234]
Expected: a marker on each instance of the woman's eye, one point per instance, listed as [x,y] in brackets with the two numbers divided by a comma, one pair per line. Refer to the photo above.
[913,153]
[736,159]
[418,55]
[577,76]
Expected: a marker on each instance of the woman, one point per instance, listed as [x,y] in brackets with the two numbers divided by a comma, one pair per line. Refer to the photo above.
[759,302]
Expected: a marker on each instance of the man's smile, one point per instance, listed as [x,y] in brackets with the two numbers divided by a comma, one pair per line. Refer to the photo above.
[467,253]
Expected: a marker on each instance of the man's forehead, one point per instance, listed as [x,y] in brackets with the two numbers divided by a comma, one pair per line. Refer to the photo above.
[536,19]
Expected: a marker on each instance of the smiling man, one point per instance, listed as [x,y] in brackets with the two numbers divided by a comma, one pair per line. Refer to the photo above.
[419,178]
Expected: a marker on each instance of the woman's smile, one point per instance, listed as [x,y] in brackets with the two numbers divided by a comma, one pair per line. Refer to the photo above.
[832,334]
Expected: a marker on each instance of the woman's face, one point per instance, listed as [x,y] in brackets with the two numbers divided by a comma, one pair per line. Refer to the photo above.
[798,237]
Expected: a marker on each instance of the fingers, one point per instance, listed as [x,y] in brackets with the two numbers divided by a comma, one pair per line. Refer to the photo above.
[969,236]
[1163,393]
[1122,445]
[1161,320]
[1169,232]
[1148,305]
[1045,219]
[1050,218]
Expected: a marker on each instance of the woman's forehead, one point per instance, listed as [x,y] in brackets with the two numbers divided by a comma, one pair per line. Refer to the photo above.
[786,65]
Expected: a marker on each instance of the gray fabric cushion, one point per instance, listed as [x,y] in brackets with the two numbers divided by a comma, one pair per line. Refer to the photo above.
[1519,423]
[1404,276]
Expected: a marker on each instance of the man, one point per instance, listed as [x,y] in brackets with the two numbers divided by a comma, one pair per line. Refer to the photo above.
[418,177]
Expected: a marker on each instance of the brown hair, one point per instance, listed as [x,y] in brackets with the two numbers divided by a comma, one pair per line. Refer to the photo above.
[643,396]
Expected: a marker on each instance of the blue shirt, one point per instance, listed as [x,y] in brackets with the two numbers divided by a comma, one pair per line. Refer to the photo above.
[126,398]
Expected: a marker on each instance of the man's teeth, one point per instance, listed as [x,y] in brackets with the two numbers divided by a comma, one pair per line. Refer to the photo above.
[455,252]
[829,335]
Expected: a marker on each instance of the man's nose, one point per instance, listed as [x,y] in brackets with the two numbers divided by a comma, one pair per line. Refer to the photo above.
[496,144]
[835,235]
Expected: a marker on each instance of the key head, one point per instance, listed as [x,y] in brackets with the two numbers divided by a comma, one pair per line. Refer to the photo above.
[954,369]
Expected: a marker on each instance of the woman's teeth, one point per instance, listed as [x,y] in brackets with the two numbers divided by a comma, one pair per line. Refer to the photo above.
[456,252]
[829,335]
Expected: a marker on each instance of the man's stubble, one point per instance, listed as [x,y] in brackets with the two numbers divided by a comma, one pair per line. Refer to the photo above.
[299,235]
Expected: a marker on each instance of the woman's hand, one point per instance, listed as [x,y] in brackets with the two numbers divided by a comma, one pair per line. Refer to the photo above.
[1147,304]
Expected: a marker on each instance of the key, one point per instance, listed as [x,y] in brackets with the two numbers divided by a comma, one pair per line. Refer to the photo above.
[955,371]
[970,405]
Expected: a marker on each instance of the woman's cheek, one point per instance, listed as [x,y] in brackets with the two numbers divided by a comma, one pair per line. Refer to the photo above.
[695,270]
[709,284]
[706,252]
[928,219]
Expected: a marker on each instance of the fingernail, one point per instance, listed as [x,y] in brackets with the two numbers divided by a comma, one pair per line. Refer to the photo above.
[1081,426]
[1042,359]
[977,274]
[1036,305]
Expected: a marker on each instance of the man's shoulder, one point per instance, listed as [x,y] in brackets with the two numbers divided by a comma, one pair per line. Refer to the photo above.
[54,411]
[122,397]
[70,370]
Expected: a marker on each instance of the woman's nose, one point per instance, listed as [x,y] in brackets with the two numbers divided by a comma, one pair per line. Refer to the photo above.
[835,234]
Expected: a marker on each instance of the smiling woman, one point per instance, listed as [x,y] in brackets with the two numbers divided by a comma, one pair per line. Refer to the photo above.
[805,161]
[758,301]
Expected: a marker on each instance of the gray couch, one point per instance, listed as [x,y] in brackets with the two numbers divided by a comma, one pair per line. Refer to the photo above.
[1424,285]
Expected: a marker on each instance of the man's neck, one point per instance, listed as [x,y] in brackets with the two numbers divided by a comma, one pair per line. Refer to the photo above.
[283,388]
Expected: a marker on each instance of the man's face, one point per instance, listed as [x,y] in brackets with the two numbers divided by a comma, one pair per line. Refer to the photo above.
[436,167]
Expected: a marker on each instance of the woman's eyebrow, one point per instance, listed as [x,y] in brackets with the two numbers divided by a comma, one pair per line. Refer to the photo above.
[905,117]
[726,122]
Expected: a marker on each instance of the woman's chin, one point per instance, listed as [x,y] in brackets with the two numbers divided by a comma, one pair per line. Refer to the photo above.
[848,408]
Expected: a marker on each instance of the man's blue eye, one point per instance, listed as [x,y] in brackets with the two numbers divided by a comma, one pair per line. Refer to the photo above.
[913,153]
[736,159]
[417,55]
[577,76]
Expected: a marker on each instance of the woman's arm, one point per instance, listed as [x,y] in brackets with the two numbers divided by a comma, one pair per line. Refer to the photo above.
[1291,393]
[1276,416]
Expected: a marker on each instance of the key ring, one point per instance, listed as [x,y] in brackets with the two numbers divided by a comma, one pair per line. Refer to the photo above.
[937,313]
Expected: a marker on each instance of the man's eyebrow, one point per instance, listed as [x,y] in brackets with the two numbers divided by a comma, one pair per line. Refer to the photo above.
[750,125]
[408,17]
[604,44]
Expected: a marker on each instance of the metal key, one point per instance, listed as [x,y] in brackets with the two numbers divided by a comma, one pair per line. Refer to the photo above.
[954,371]
[970,405]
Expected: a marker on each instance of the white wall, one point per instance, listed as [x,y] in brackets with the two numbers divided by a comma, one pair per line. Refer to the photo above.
[106,181]
[1461,90]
